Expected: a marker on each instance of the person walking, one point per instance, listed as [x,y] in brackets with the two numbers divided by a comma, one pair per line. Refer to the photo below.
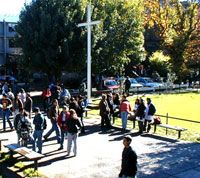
[10,94]
[125,108]
[28,104]
[17,104]
[23,95]
[104,112]
[46,95]
[129,160]
[150,111]
[53,116]
[73,125]
[6,105]
[127,84]
[24,128]
[110,105]
[5,88]
[80,111]
[140,113]
[17,118]
[62,122]
[39,122]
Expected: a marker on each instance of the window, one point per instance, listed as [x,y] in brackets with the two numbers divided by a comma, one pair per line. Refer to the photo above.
[11,27]
[12,43]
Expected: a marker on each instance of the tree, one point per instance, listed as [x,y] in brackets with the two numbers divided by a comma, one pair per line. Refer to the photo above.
[49,37]
[178,28]
[119,37]
[160,63]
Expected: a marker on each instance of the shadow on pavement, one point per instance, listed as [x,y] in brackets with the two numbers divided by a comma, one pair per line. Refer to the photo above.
[158,137]
[7,173]
[49,161]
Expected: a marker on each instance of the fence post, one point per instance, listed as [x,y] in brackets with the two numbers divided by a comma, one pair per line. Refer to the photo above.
[166,123]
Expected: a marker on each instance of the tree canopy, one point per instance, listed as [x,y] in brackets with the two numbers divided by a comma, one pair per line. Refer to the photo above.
[120,34]
[178,28]
[49,37]
[52,42]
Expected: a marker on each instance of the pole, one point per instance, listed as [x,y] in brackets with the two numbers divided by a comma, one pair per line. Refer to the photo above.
[4,34]
[89,56]
[166,122]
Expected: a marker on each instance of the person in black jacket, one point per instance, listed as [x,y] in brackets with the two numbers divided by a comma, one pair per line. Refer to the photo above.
[140,113]
[150,111]
[73,125]
[104,112]
[129,160]
[127,84]
[28,104]
[80,111]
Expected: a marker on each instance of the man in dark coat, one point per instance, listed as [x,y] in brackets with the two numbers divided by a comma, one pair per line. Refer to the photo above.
[28,104]
[127,84]
[104,112]
[53,116]
[129,160]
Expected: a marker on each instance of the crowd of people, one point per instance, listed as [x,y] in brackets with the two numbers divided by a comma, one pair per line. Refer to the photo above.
[30,124]
[112,106]
[68,121]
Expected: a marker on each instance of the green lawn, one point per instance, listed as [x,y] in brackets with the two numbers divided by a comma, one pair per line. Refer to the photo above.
[186,106]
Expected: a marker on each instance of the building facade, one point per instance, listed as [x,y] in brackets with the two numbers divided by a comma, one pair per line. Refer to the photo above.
[9,52]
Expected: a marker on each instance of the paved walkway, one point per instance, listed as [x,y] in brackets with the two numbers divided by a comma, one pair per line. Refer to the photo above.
[99,155]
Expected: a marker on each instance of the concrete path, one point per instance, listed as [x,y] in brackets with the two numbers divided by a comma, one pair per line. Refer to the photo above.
[99,155]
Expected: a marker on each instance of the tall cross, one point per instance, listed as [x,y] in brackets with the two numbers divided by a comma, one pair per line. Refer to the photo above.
[88,24]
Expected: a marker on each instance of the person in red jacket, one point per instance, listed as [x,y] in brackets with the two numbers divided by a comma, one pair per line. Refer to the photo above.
[46,95]
[62,120]
[125,108]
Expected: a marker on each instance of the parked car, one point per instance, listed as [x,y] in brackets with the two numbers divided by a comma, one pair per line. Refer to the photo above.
[135,84]
[7,78]
[148,82]
[110,84]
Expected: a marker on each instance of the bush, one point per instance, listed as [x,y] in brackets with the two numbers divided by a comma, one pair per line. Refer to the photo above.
[160,63]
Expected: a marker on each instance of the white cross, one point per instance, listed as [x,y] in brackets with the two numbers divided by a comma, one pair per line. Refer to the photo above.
[88,24]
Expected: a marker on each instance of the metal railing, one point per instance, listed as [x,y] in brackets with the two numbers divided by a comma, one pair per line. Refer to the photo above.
[175,118]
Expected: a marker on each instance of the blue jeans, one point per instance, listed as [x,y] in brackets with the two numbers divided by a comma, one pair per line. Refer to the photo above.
[54,128]
[38,136]
[63,133]
[72,137]
[124,116]
[6,115]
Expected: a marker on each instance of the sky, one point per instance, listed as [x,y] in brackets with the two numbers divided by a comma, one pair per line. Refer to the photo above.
[10,9]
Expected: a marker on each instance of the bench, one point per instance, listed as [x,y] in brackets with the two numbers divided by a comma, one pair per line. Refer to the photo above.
[27,153]
[1,140]
[86,111]
[93,106]
[179,129]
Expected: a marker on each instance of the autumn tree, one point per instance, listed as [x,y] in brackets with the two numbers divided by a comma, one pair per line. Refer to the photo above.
[178,28]
[160,63]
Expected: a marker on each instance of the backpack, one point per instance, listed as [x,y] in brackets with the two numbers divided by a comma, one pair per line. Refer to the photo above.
[44,123]
[157,120]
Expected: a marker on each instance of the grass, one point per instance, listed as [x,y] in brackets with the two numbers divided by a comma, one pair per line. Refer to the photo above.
[29,172]
[183,105]
[19,165]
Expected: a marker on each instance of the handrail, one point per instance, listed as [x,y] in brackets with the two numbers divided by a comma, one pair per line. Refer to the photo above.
[177,118]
